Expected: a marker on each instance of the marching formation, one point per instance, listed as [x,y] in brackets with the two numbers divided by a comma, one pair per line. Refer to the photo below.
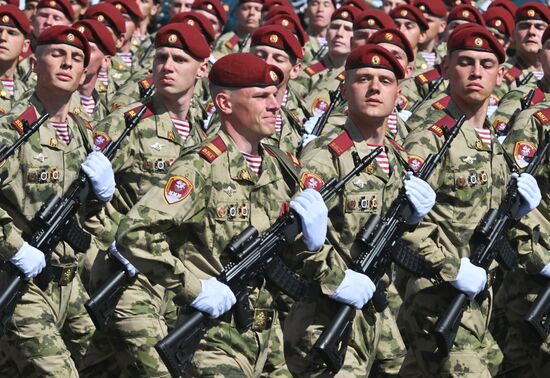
[272,189]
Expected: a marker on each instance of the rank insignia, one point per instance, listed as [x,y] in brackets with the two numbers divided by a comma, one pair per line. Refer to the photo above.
[157,146]
[523,153]
[311,181]
[415,162]
[101,140]
[230,191]
[244,175]
[177,189]
[40,157]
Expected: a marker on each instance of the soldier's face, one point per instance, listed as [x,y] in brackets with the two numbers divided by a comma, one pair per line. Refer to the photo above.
[12,43]
[278,58]
[147,7]
[501,37]
[319,12]
[400,55]
[371,93]
[175,71]
[216,25]
[436,25]
[46,17]
[78,9]
[178,6]
[96,60]
[528,35]
[451,26]
[59,67]
[130,25]
[30,9]
[249,16]
[339,36]
[411,30]
[361,36]
[472,75]
[254,111]
[388,5]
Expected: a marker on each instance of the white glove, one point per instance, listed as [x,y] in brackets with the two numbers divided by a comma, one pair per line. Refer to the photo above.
[29,260]
[404,115]
[471,279]
[546,271]
[100,172]
[132,270]
[421,196]
[529,192]
[306,138]
[215,298]
[310,123]
[356,289]
[314,214]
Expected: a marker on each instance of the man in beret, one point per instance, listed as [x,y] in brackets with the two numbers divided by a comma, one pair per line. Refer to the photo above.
[132,18]
[501,23]
[163,134]
[212,194]
[470,180]
[177,6]
[371,90]
[436,14]
[50,329]
[15,31]
[30,8]
[249,17]
[79,7]
[215,11]
[318,14]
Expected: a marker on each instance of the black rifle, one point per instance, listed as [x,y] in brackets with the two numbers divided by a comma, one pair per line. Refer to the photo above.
[433,88]
[525,80]
[491,236]
[538,316]
[252,254]
[242,44]
[379,241]
[147,52]
[6,152]
[319,53]
[335,99]
[55,221]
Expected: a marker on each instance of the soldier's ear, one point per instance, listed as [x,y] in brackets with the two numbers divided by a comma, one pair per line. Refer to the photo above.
[202,69]
[500,74]
[422,37]
[33,60]
[26,45]
[223,102]
[295,71]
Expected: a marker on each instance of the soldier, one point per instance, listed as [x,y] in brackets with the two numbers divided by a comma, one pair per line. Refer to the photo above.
[501,23]
[469,181]
[177,6]
[389,5]
[248,19]
[50,329]
[79,8]
[371,90]
[370,21]
[14,39]
[209,196]
[436,14]
[318,14]
[132,18]
[30,8]
[163,134]
[215,11]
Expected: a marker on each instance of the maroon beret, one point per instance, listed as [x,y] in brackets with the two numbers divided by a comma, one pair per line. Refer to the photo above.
[184,37]
[278,10]
[251,1]
[108,15]
[395,37]
[129,7]
[278,37]
[241,70]
[291,23]
[10,15]
[466,12]
[506,4]
[411,13]
[374,56]
[197,20]
[359,4]
[453,3]
[97,33]
[475,37]
[500,19]
[434,7]
[268,4]
[533,11]
[214,7]
[373,19]
[61,5]
[60,34]
[346,13]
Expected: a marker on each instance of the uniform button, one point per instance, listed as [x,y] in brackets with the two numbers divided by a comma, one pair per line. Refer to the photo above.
[351,205]
[460,182]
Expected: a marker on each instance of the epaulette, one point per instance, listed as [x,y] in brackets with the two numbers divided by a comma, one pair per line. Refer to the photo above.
[315,68]
[538,96]
[294,160]
[396,145]
[28,115]
[512,74]
[442,104]
[213,150]
[145,83]
[341,144]
[427,76]
[447,121]
[341,76]
[25,55]
[232,42]
[148,112]
[543,116]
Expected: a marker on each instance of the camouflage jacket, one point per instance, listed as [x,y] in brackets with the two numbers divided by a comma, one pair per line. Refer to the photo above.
[229,43]
[319,76]
[514,70]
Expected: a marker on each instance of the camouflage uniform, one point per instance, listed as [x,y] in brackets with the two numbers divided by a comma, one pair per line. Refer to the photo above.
[370,193]
[100,111]
[51,326]
[470,180]
[514,69]
[119,72]
[7,101]
[524,353]
[229,43]
[311,49]
[320,75]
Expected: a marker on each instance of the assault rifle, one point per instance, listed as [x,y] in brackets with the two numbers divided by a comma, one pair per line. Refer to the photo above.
[6,152]
[147,52]
[335,99]
[433,88]
[380,244]
[493,244]
[319,54]
[243,43]
[55,221]
[520,82]
[538,316]
[252,254]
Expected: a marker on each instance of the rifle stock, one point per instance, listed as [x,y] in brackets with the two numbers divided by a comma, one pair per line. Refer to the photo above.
[538,317]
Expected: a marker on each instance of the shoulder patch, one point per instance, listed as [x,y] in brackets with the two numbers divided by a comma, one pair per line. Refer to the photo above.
[232,42]
[341,144]
[396,145]
[310,180]
[177,189]
[500,126]
[415,162]
[101,140]
[146,83]
[148,112]
[543,115]
[523,153]
[341,76]
[512,74]
[213,150]
[446,122]
[442,104]
[315,68]
[294,160]
[427,76]
[28,115]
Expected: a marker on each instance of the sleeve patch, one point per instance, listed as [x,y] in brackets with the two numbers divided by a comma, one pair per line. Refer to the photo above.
[543,116]
[415,162]
[177,189]
[101,140]
[523,153]
[310,180]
